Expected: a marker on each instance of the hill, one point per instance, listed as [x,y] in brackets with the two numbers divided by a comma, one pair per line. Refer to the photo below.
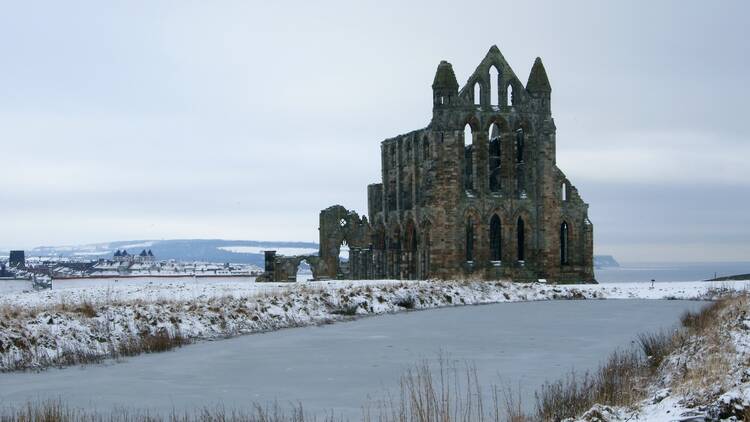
[211,250]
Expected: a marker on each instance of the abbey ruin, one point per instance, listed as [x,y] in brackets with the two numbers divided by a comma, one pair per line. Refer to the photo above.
[475,194]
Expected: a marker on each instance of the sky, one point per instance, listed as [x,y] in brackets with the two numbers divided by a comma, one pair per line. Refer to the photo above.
[242,120]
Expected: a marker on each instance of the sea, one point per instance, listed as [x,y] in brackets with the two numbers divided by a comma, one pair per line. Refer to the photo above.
[669,271]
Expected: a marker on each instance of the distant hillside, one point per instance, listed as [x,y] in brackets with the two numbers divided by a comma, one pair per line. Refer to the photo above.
[212,250]
[601,261]
[731,277]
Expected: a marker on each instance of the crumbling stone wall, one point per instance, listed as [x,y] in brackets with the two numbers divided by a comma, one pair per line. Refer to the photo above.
[339,226]
[279,268]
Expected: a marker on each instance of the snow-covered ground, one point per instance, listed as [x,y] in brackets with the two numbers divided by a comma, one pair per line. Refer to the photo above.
[95,316]
[154,289]
[706,378]
[104,290]
[261,249]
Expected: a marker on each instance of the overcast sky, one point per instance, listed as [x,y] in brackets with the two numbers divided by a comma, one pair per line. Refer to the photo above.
[241,120]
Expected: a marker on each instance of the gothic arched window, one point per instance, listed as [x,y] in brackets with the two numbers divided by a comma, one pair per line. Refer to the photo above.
[495,239]
[468,158]
[494,92]
[494,158]
[564,243]
[520,240]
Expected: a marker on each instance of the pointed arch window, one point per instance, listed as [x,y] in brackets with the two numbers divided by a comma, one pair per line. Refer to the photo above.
[509,95]
[468,158]
[564,243]
[477,93]
[494,158]
[494,83]
[520,240]
[495,239]
[564,192]
[469,241]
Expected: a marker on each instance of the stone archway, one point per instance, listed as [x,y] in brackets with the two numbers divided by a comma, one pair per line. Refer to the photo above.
[339,226]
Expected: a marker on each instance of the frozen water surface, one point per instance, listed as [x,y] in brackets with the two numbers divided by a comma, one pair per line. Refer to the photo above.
[337,367]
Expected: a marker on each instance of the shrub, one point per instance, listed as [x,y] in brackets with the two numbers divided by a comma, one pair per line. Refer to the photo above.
[656,346]
[86,309]
[406,302]
[619,381]
[705,318]
[148,342]
[348,310]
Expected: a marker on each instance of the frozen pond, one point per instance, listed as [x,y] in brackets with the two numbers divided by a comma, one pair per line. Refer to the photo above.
[338,366]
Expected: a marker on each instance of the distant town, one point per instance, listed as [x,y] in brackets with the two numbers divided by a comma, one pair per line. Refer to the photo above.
[121,264]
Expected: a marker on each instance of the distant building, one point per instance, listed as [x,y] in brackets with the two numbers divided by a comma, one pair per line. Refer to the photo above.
[17,259]
[124,256]
[145,256]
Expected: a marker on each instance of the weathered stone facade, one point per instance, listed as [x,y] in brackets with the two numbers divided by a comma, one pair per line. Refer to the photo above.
[476,193]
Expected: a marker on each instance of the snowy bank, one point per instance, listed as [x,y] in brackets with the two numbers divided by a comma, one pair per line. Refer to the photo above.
[86,320]
[706,376]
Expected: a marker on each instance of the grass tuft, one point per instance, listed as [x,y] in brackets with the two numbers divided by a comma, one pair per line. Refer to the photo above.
[657,346]
[347,310]
[406,302]
[86,309]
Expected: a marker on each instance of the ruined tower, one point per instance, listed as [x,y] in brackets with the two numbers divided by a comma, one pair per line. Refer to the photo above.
[475,194]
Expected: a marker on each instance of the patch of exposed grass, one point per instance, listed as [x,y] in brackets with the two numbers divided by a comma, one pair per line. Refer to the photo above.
[656,346]
[619,381]
[346,310]
[162,340]
[86,309]
[57,411]
[623,379]
[406,302]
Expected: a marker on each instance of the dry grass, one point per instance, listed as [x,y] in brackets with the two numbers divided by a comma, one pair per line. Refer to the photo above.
[66,355]
[658,345]
[623,379]
[86,309]
[443,392]
[703,371]
[161,341]
[712,371]
[56,411]
[345,309]
[406,302]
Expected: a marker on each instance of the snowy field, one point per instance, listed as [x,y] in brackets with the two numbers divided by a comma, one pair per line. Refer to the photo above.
[154,289]
[150,289]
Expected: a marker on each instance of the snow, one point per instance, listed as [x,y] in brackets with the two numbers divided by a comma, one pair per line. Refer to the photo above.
[92,253]
[154,289]
[260,249]
[665,290]
[137,245]
[8,287]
